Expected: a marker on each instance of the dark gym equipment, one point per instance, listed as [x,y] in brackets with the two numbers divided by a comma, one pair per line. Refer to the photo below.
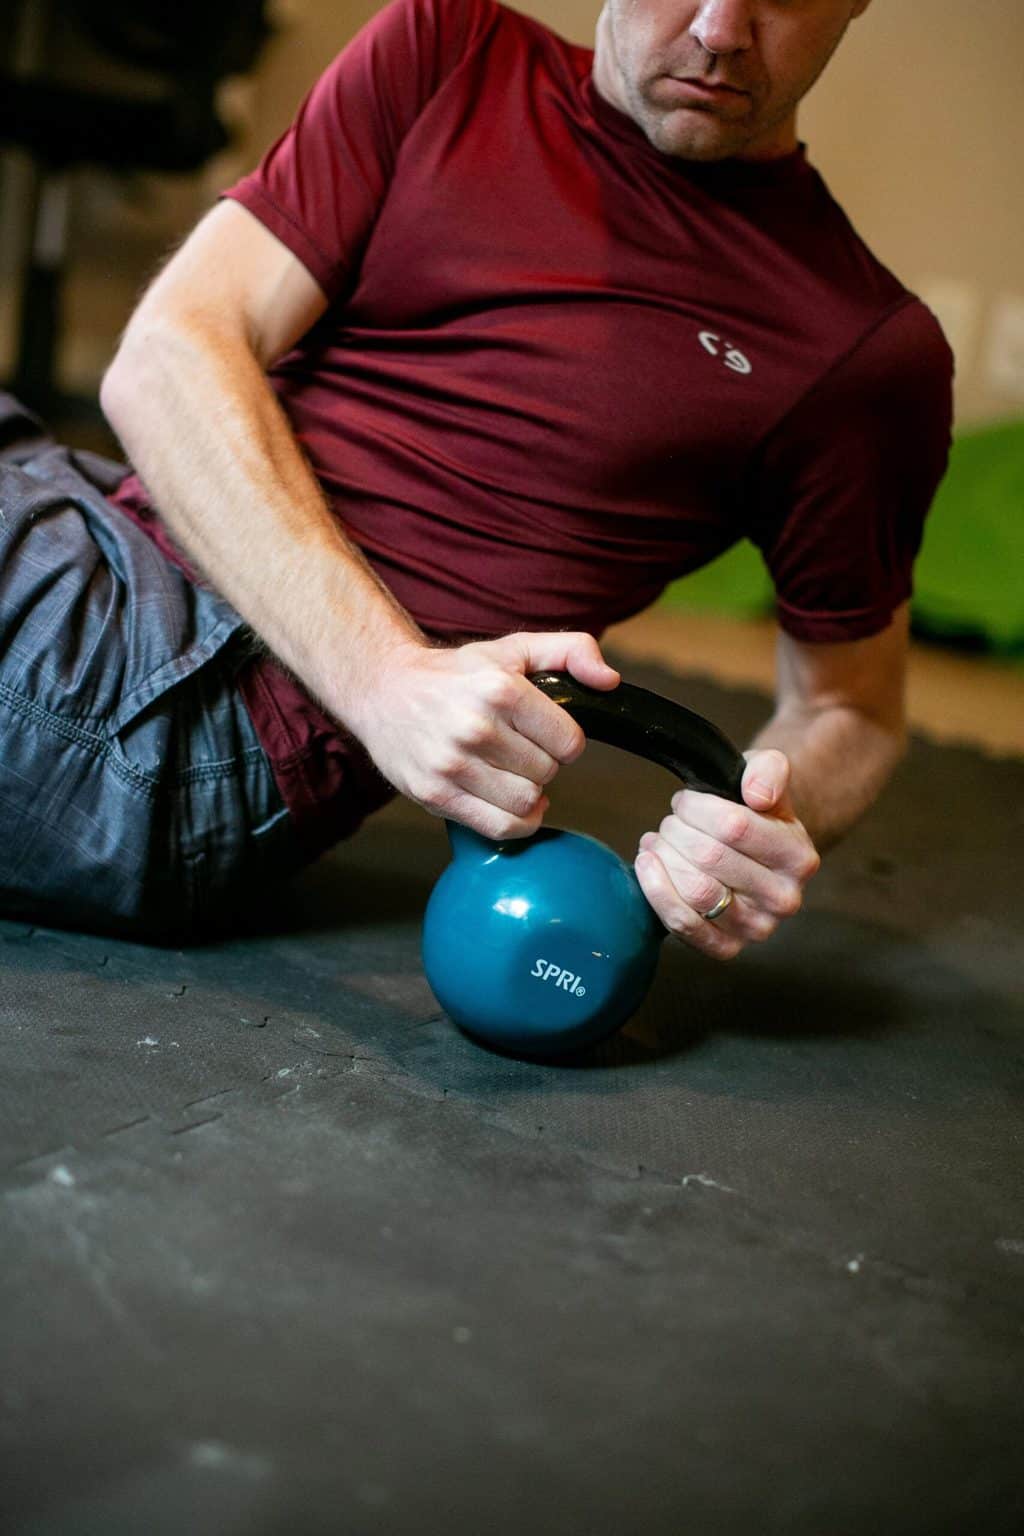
[543,945]
[281,1251]
[125,85]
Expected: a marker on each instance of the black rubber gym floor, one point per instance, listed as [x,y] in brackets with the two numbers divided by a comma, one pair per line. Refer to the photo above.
[284,1252]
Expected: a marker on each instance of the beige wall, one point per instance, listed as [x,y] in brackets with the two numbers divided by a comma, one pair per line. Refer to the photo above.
[918,125]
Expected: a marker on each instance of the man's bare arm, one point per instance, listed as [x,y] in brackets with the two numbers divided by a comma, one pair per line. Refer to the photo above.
[460,731]
[188,396]
[840,720]
[817,765]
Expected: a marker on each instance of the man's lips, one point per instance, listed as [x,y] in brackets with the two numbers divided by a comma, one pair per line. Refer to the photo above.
[711,89]
[672,91]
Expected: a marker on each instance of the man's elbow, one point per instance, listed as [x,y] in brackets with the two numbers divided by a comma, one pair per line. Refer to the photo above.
[125,387]
[116,392]
[153,348]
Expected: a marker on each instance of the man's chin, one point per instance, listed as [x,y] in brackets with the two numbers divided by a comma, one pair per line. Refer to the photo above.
[695,136]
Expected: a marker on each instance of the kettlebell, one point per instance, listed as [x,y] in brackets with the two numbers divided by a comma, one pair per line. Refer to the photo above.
[542,945]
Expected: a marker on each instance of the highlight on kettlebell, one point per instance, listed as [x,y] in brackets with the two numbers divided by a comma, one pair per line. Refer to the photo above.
[544,945]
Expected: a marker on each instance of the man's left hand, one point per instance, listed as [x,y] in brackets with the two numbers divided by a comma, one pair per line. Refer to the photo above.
[759,851]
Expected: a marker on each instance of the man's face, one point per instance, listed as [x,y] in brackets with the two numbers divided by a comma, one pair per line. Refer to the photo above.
[706,79]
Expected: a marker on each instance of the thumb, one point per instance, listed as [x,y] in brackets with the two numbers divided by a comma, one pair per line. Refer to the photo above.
[579,654]
[766,781]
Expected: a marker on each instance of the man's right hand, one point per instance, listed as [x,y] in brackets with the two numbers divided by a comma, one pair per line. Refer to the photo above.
[463,733]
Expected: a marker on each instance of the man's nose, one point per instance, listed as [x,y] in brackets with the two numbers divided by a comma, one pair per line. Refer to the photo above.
[723,26]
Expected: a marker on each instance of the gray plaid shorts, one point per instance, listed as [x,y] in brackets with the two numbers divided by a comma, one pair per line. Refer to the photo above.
[135,797]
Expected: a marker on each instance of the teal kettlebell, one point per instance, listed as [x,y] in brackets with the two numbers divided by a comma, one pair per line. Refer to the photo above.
[542,945]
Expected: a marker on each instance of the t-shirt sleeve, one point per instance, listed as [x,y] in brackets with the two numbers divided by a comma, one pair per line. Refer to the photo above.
[843,485]
[319,188]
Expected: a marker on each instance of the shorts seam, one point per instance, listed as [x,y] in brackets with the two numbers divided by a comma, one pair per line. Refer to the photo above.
[221,769]
[101,748]
[92,741]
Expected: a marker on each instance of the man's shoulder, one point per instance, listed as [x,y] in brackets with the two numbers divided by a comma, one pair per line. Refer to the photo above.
[468,18]
[482,42]
[908,348]
[468,22]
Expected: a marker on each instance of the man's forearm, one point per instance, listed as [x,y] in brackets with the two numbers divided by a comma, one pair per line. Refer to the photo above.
[841,760]
[217,455]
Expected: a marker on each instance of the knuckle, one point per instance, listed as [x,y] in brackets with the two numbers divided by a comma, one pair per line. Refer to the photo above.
[500,691]
[709,855]
[735,827]
[787,901]
[810,865]
[527,800]
[447,765]
[679,920]
[475,730]
[506,827]
[678,916]
[705,893]
[760,926]
[727,947]
[572,743]
[436,797]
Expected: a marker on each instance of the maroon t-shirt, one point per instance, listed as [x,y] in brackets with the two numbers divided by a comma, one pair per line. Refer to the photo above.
[559,369]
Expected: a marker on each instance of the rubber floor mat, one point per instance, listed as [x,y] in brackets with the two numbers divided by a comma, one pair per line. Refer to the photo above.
[283,1251]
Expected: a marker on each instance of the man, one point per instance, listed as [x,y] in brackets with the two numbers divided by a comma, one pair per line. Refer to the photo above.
[543,331]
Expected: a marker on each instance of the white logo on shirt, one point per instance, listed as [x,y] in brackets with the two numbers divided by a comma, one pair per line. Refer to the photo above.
[732,357]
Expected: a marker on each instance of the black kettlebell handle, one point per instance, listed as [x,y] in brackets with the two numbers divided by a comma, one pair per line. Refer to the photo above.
[653,727]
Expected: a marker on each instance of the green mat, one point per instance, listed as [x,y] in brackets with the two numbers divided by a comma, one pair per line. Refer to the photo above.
[969,578]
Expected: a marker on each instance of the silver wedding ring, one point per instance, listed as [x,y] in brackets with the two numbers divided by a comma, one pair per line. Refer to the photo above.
[719,907]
